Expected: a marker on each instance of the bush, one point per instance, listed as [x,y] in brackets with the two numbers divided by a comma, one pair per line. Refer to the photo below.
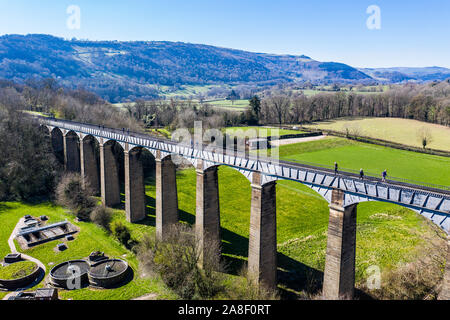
[102,216]
[176,260]
[244,289]
[120,232]
[416,280]
[71,194]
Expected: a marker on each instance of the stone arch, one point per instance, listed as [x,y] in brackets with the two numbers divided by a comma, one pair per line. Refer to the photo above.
[72,152]
[57,142]
[440,219]
[90,136]
[111,172]
[90,162]
[45,129]
[323,192]
[217,182]
[136,159]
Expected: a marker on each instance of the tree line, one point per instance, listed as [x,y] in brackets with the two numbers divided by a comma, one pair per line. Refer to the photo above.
[424,102]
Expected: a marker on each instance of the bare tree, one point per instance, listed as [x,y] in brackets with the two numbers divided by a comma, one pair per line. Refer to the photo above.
[425,137]
[280,106]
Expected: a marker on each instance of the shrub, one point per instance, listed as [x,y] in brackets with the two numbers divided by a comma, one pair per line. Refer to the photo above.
[242,288]
[120,232]
[71,194]
[102,216]
[416,280]
[176,260]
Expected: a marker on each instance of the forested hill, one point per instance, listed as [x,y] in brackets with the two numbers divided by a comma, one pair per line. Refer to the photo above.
[119,71]
[126,68]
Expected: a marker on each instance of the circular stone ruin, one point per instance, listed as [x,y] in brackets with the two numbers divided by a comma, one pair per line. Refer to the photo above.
[70,274]
[18,275]
[108,273]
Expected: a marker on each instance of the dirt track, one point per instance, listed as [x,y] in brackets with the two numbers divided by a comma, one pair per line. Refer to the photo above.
[283,142]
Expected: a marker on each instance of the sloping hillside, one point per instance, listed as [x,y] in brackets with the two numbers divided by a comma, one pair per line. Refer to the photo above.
[125,69]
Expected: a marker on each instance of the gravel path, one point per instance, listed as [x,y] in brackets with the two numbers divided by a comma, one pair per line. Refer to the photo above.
[13,249]
[283,142]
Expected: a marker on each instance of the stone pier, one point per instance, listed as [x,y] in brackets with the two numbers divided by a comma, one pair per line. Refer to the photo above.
[166,195]
[134,186]
[445,291]
[71,152]
[90,172]
[207,218]
[262,253]
[339,275]
[109,175]
[58,144]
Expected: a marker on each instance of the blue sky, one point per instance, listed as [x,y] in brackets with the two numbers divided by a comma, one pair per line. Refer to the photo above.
[413,33]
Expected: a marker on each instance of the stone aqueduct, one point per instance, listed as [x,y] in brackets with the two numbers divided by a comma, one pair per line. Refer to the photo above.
[342,191]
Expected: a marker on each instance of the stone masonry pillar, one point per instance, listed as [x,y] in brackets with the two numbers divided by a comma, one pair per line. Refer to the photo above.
[339,275]
[71,153]
[89,165]
[445,291]
[262,253]
[166,195]
[58,145]
[134,186]
[207,217]
[109,176]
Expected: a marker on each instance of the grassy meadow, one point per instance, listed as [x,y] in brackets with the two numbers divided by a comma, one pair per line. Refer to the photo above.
[372,158]
[261,132]
[398,130]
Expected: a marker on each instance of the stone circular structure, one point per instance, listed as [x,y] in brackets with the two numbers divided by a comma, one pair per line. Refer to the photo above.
[22,280]
[70,274]
[108,273]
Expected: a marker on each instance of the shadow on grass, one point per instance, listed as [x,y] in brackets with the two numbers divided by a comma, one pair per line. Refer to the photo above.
[292,274]
[4,207]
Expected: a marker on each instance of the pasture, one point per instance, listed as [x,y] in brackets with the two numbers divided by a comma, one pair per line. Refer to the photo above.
[261,132]
[398,130]
[372,158]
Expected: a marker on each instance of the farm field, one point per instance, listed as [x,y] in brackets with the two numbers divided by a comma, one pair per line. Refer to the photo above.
[237,105]
[260,131]
[392,129]
[372,158]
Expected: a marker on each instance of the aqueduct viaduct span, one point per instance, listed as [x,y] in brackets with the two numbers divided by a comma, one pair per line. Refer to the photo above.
[342,191]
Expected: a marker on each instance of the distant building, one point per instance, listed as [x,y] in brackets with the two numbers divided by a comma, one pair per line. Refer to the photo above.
[258,143]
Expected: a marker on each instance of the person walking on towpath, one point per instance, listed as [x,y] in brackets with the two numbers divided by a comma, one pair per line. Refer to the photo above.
[361,174]
[384,174]
[335,168]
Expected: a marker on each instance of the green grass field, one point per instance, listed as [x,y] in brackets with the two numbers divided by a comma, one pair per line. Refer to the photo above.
[372,158]
[237,105]
[388,235]
[90,238]
[262,132]
[391,129]
[17,270]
